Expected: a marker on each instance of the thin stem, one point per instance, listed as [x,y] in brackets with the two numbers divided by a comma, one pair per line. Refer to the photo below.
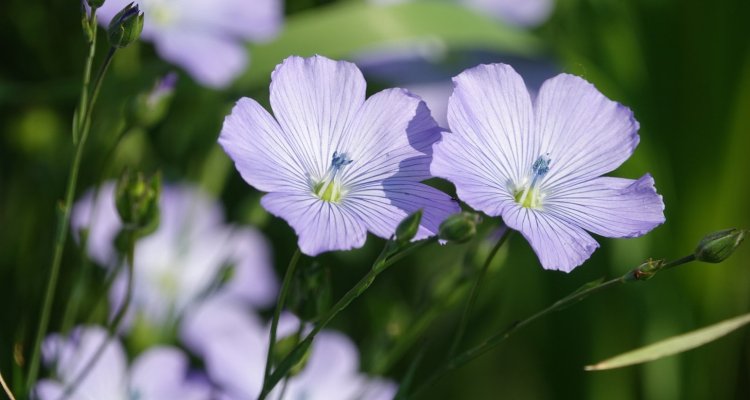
[63,224]
[474,294]
[83,105]
[494,340]
[285,286]
[381,264]
[7,390]
[114,325]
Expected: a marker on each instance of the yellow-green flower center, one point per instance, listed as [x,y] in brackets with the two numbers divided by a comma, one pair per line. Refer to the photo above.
[529,194]
[330,188]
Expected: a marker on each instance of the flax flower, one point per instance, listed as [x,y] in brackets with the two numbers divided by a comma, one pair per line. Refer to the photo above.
[205,37]
[336,165]
[538,164]
[182,260]
[159,373]
[217,328]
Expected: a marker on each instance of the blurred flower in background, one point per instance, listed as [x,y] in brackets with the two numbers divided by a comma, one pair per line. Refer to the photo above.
[234,344]
[158,374]
[191,253]
[206,38]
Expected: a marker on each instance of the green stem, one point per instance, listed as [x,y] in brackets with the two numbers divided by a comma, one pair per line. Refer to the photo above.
[83,105]
[285,286]
[381,264]
[474,294]
[494,340]
[63,225]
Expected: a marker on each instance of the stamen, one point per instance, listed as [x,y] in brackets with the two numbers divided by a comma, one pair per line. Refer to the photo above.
[329,188]
[530,197]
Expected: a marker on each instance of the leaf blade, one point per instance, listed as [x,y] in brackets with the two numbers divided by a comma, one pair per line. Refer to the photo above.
[673,345]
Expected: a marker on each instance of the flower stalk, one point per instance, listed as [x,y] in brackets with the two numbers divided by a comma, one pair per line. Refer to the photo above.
[63,222]
[389,256]
[474,294]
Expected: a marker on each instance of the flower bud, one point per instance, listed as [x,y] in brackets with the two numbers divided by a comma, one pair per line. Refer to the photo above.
[718,246]
[459,228]
[95,3]
[283,347]
[408,227]
[137,201]
[125,27]
[645,271]
[150,107]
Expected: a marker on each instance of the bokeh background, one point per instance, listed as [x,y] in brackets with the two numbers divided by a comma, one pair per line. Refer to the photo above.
[682,66]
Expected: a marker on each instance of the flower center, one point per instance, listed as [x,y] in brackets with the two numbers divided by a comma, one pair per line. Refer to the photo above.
[329,188]
[528,194]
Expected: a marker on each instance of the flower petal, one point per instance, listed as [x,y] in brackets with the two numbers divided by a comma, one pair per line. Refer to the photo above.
[381,209]
[393,133]
[491,110]
[261,152]
[255,20]
[559,244]
[315,99]
[585,134]
[212,60]
[161,373]
[321,226]
[612,207]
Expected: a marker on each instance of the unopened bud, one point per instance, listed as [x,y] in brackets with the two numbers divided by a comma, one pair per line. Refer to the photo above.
[95,3]
[718,246]
[125,27]
[150,107]
[459,228]
[284,346]
[137,201]
[408,227]
[645,271]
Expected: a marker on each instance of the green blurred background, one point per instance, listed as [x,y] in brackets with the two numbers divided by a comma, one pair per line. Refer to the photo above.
[682,66]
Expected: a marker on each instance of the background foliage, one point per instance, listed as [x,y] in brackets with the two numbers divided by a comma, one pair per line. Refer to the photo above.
[682,66]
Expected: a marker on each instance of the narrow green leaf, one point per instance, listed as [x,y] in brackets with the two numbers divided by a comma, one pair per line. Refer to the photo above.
[673,345]
[76,126]
[343,29]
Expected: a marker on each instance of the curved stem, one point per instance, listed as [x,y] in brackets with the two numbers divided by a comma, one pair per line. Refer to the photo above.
[63,224]
[474,294]
[6,389]
[288,276]
[494,340]
[381,264]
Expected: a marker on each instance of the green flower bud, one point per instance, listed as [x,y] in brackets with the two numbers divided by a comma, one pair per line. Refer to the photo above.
[408,227]
[718,246]
[283,347]
[125,27]
[150,107]
[137,201]
[95,3]
[459,228]
[645,271]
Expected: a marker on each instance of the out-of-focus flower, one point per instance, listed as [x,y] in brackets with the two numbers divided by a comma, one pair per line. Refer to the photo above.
[337,166]
[539,165]
[217,328]
[158,374]
[150,107]
[206,38]
[515,12]
[183,258]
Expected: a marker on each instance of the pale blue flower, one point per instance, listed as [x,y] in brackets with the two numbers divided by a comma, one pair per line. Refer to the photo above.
[181,260]
[217,328]
[336,165]
[205,37]
[158,374]
[538,164]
